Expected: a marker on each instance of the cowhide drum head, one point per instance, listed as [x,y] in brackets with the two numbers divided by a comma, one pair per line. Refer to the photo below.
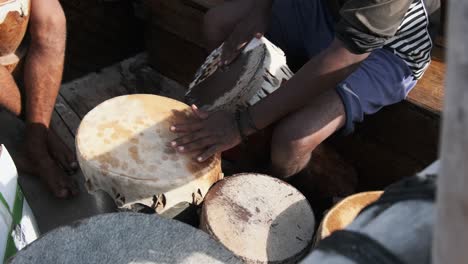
[122,147]
[258,71]
[125,238]
[259,218]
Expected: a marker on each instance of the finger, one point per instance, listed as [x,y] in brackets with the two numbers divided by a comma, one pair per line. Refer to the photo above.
[181,141]
[232,46]
[72,186]
[208,153]
[198,145]
[187,127]
[199,113]
[232,52]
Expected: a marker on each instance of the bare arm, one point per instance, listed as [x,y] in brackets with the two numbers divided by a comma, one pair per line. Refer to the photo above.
[218,132]
[322,72]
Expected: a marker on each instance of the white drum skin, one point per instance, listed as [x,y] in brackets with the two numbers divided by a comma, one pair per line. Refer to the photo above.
[259,218]
[122,148]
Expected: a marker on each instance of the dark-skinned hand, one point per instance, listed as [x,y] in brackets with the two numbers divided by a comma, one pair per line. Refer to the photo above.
[207,134]
[253,25]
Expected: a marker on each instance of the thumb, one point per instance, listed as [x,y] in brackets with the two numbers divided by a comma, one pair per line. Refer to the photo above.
[199,113]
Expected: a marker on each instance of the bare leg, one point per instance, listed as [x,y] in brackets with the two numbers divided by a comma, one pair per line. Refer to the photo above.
[10,96]
[42,78]
[297,135]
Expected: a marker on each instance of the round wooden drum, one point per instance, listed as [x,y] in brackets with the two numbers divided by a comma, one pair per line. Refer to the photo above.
[122,148]
[258,71]
[259,218]
[125,238]
[344,212]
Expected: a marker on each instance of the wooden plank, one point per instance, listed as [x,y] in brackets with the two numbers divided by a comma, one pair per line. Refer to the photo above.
[429,92]
[85,93]
[178,18]
[59,127]
[173,57]
[397,142]
[64,111]
[450,232]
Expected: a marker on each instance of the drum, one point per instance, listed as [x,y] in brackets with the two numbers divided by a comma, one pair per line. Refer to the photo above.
[258,71]
[259,218]
[122,148]
[344,212]
[125,238]
[14,17]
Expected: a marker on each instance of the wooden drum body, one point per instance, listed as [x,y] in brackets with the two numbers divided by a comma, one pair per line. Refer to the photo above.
[344,212]
[259,218]
[122,148]
[14,18]
[258,71]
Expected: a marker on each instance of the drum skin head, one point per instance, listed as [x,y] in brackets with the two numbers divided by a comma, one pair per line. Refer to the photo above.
[259,70]
[123,148]
[259,218]
[123,238]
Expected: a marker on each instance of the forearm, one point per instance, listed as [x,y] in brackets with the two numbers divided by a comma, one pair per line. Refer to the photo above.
[322,72]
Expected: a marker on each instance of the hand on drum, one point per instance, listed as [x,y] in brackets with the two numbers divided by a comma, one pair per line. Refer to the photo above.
[253,25]
[208,134]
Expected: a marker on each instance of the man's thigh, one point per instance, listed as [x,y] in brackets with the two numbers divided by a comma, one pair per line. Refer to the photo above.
[301,28]
[382,79]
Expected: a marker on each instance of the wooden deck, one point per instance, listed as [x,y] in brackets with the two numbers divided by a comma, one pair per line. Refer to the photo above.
[75,100]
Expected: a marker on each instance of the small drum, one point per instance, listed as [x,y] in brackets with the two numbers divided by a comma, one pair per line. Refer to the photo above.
[258,71]
[14,18]
[123,238]
[122,148]
[259,218]
[344,212]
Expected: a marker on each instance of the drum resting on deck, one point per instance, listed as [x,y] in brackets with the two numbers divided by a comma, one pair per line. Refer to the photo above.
[123,238]
[259,218]
[258,71]
[122,148]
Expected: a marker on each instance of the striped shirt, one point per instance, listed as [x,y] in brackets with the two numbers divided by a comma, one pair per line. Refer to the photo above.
[412,42]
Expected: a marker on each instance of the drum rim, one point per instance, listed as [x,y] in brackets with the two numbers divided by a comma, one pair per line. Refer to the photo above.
[216,160]
[336,208]
[204,217]
[84,221]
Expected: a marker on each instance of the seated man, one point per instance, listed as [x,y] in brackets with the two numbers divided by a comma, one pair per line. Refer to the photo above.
[354,57]
[44,153]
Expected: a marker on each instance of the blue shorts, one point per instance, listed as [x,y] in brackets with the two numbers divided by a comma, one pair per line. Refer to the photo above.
[303,28]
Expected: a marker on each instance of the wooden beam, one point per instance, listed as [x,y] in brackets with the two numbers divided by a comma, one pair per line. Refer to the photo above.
[450,232]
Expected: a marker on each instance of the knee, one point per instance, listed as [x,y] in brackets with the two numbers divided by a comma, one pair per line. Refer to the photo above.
[49,31]
[213,28]
[289,156]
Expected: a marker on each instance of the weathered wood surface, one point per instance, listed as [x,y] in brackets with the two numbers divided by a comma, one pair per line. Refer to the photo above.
[74,101]
[451,234]
[99,34]
[174,57]
[429,92]
[397,142]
